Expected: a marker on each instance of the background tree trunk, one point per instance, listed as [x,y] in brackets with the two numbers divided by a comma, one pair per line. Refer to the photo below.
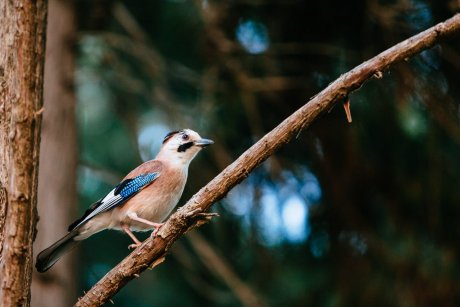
[22,51]
[58,156]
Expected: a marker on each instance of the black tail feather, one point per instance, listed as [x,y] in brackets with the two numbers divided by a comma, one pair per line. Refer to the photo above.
[48,257]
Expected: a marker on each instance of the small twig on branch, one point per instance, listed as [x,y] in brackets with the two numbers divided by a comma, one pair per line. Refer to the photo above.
[155,248]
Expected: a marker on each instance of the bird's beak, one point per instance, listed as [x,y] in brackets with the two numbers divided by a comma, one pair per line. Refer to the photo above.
[203,142]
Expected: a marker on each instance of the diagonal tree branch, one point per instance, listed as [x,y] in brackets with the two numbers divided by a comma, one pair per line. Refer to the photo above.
[193,213]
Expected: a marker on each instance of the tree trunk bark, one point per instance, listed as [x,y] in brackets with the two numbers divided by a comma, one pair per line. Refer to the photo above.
[58,156]
[22,53]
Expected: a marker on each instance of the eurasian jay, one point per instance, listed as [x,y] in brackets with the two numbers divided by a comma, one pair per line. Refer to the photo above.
[142,200]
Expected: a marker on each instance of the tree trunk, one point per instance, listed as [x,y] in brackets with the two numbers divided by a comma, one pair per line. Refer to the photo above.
[58,156]
[22,53]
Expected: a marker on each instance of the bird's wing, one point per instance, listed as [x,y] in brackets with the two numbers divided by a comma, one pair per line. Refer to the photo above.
[119,195]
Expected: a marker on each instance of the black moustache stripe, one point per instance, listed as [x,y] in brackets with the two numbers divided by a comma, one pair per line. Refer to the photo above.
[184,147]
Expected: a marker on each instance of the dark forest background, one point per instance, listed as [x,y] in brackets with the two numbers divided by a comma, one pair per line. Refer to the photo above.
[361,214]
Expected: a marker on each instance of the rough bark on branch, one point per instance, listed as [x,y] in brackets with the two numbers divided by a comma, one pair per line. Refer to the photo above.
[153,250]
[22,55]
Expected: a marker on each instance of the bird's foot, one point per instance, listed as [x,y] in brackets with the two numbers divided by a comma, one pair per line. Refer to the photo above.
[157,229]
[134,245]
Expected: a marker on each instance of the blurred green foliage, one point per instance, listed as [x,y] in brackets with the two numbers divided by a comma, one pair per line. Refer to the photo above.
[345,215]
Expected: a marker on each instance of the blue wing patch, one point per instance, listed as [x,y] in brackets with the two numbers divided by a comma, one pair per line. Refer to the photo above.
[119,195]
[135,185]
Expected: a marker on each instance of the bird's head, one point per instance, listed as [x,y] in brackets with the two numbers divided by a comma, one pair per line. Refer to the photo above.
[180,147]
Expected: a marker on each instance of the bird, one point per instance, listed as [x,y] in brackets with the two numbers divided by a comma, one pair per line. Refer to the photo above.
[140,202]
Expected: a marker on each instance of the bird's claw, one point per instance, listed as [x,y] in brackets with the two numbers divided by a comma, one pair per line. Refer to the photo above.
[134,245]
[156,230]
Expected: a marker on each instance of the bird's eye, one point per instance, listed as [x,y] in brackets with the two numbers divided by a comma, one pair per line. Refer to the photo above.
[185,137]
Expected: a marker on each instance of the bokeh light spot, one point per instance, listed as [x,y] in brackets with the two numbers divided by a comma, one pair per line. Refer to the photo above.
[295,215]
[253,36]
